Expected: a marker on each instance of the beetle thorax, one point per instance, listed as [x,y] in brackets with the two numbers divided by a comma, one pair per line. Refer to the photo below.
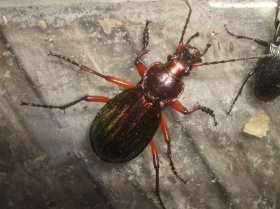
[178,68]
[160,86]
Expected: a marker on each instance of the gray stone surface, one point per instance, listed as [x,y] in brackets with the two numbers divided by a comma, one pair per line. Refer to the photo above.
[45,156]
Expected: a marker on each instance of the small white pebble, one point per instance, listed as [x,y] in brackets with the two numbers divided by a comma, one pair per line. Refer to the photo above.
[42,25]
[3,20]
[257,125]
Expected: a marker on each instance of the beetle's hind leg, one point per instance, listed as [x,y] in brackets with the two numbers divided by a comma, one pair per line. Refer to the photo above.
[156,166]
[65,106]
[167,138]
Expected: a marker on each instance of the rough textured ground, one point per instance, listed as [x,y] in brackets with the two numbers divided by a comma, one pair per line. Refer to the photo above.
[45,156]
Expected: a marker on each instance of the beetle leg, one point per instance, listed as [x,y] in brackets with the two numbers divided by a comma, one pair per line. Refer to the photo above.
[141,67]
[258,41]
[156,166]
[110,79]
[166,135]
[65,106]
[180,108]
[241,88]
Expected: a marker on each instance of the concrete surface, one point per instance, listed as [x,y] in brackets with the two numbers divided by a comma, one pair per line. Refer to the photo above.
[45,156]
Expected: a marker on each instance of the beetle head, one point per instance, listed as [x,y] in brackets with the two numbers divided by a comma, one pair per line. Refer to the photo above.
[181,62]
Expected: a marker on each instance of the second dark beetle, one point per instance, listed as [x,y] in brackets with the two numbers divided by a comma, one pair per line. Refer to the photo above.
[267,83]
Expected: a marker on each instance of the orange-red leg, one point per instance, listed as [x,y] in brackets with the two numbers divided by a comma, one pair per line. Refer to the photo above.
[167,138]
[110,79]
[180,108]
[140,66]
[156,166]
[65,106]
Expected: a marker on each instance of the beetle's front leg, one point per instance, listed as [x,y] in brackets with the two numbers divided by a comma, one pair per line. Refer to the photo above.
[180,108]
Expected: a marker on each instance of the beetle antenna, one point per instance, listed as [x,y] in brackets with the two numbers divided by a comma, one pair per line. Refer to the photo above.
[193,36]
[187,21]
[239,59]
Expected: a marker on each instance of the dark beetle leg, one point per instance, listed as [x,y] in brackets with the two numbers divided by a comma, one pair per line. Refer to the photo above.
[166,135]
[65,106]
[111,79]
[156,166]
[180,108]
[241,88]
[258,41]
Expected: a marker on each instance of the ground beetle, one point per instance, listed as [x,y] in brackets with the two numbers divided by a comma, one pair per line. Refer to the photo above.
[127,123]
[267,83]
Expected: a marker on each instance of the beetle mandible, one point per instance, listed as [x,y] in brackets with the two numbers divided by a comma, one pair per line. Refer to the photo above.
[127,123]
[267,70]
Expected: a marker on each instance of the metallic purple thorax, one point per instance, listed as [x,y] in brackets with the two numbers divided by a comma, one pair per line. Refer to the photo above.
[160,85]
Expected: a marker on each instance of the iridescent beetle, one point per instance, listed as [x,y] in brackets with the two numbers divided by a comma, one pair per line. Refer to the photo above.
[126,124]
